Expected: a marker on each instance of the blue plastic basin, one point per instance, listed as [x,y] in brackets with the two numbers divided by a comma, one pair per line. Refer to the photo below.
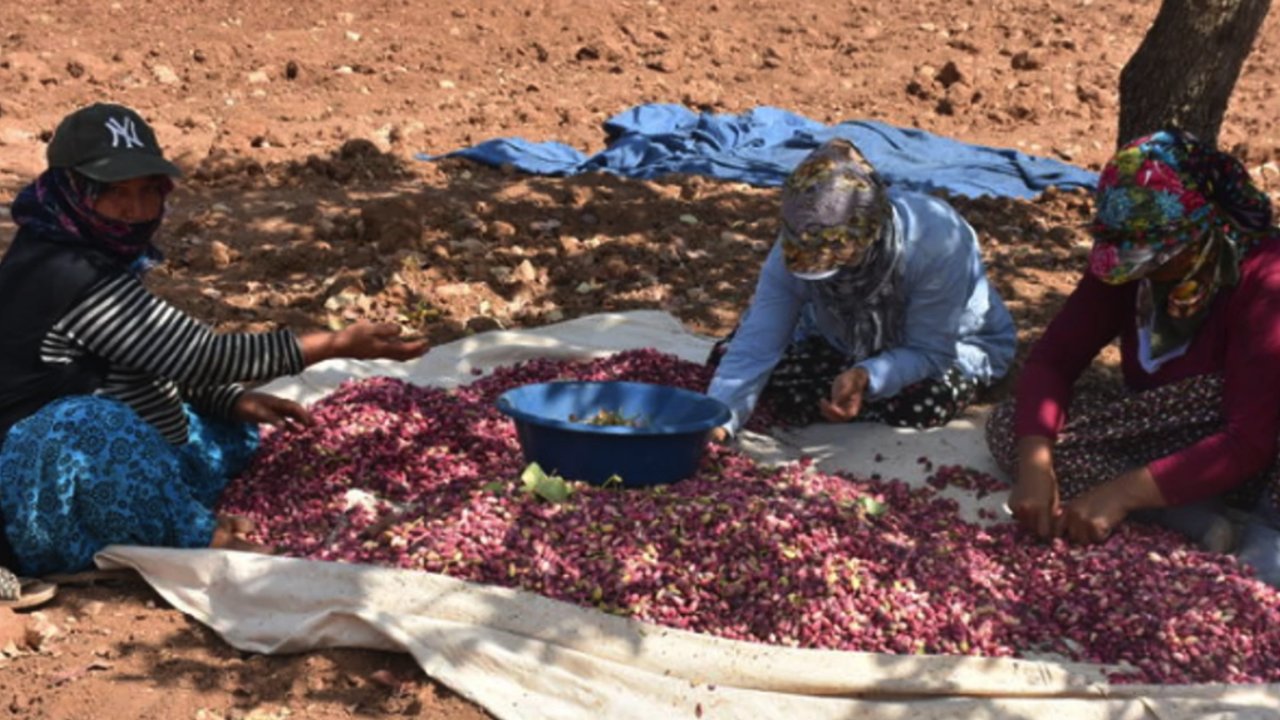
[667,448]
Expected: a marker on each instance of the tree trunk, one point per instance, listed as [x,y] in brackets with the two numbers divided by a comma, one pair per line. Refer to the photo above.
[1184,71]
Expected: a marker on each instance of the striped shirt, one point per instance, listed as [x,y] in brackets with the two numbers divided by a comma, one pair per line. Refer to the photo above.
[159,357]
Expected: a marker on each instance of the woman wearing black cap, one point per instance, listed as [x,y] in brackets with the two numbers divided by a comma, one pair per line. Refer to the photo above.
[121,418]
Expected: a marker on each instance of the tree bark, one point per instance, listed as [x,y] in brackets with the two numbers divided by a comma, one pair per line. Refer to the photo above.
[1184,71]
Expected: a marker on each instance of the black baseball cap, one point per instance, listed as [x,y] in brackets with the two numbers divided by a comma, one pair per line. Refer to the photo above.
[108,143]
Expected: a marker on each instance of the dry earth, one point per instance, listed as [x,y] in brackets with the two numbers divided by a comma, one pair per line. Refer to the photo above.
[297,123]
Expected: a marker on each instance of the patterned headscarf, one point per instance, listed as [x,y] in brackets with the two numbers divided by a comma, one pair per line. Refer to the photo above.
[1168,196]
[58,207]
[833,208]
[838,231]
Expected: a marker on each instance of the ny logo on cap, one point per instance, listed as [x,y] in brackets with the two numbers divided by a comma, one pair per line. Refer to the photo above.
[124,130]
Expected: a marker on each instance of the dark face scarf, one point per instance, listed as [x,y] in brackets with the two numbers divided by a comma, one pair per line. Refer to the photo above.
[1168,196]
[58,207]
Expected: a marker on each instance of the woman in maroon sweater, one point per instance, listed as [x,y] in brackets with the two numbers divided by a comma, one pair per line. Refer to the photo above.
[1185,271]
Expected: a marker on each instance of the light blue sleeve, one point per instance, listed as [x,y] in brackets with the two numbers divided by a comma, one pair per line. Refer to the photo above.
[939,277]
[760,340]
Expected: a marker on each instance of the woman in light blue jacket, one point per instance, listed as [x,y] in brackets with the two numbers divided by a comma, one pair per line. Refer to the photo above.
[873,305]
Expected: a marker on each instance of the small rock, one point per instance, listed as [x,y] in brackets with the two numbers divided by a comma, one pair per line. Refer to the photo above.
[664,64]
[1026,61]
[220,255]
[214,255]
[40,630]
[342,300]
[483,323]
[949,75]
[474,246]
[258,77]
[93,609]
[1090,95]
[384,138]
[570,244]
[13,628]
[1064,236]
[1067,152]
[526,272]
[165,75]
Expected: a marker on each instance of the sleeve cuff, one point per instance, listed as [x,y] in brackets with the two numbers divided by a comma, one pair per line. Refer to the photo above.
[225,399]
[294,360]
[877,376]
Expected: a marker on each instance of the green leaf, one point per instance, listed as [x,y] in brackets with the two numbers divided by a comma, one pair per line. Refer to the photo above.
[497,486]
[531,475]
[551,488]
[613,481]
[872,506]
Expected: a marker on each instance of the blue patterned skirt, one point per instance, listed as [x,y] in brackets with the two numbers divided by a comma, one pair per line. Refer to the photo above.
[87,472]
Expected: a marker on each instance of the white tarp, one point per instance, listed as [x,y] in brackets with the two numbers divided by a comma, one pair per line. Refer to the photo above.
[520,655]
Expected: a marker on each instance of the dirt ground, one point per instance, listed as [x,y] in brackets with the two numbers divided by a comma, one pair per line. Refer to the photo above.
[297,124]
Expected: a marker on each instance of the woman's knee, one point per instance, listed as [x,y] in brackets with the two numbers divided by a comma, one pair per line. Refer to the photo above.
[999,435]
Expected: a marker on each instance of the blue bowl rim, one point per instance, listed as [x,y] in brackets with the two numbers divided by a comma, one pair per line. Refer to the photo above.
[721,416]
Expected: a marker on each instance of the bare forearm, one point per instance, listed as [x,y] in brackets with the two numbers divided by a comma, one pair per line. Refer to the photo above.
[1137,490]
[317,347]
[1035,452]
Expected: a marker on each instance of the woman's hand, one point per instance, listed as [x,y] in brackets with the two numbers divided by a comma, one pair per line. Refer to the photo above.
[1034,497]
[369,341]
[362,341]
[1092,517]
[264,409]
[846,395]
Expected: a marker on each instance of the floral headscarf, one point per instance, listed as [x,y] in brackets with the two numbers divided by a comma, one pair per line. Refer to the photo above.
[1164,195]
[833,208]
[839,233]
